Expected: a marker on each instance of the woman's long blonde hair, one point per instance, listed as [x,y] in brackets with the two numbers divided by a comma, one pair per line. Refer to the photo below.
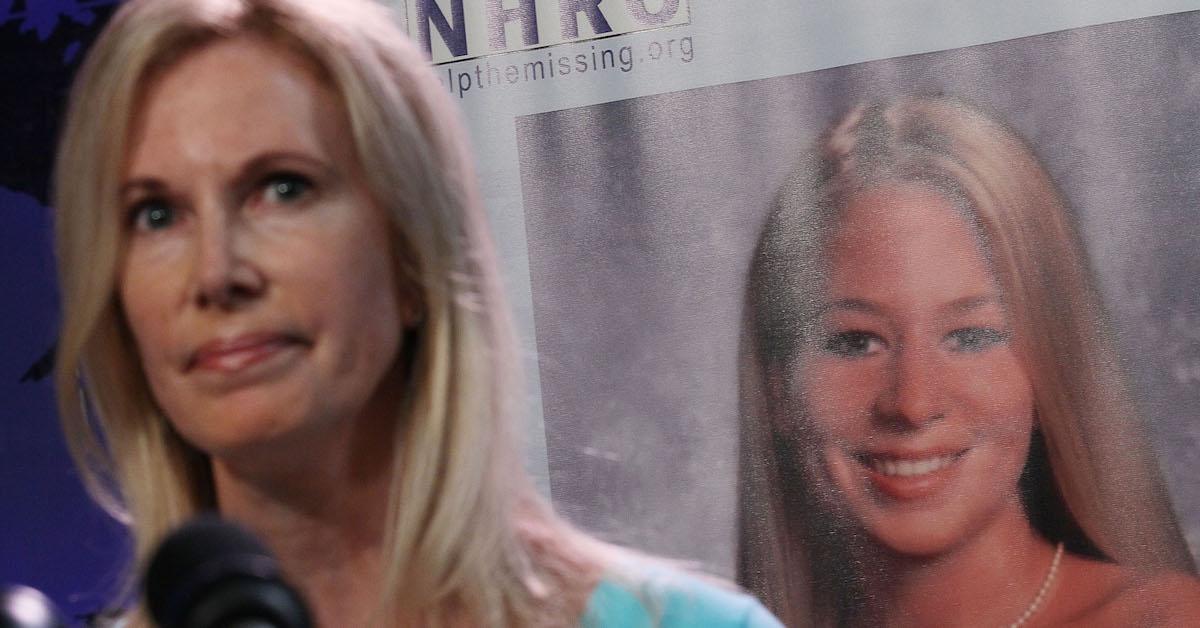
[1091,480]
[473,539]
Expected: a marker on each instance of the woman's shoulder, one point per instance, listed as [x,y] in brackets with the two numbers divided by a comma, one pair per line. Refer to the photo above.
[663,597]
[1162,599]
[1112,595]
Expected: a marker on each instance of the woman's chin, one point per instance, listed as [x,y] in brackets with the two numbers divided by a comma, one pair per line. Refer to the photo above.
[244,418]
[228,433]
[915,537]
[251,436]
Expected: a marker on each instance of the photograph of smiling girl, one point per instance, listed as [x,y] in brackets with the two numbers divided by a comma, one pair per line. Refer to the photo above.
[642,217]
[935,428]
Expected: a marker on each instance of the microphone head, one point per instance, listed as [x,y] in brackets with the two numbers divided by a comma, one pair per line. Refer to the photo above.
[212,573]
[26,607]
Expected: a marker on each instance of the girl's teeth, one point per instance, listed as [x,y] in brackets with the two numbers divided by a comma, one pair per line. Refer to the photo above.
[910,468]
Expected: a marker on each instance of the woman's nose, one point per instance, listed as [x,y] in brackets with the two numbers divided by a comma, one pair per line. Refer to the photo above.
[225,276]
[913,394]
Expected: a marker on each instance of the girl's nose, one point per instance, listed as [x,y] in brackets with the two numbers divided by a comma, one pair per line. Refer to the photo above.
[913,395]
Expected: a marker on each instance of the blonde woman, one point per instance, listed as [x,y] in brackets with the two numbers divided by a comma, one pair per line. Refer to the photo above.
[935,427]
[280,303]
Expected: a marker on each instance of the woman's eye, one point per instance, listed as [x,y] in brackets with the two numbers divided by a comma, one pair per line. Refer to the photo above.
[285,188]
[152,215]
[854,344]
[975,339]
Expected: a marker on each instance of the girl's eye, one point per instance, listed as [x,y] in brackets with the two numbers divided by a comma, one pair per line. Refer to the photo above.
[854,344]
[285,188]
[975,339]
[152,215]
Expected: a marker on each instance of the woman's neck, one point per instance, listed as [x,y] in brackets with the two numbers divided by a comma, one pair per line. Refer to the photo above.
[321,510]
[990,579]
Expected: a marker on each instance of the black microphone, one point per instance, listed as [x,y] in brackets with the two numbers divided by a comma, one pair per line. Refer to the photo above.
[211,573]
[26,607]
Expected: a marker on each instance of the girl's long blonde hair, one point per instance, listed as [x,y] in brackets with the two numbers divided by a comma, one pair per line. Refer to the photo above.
[473,539]
[1091,480]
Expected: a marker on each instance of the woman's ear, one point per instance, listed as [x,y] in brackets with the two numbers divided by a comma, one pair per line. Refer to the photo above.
[412,305]
[412,302]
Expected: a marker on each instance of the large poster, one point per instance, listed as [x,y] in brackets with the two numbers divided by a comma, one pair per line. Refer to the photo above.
[643,187]
[639,250]
[645,224]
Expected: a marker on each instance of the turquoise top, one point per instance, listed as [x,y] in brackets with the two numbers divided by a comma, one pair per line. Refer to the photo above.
[675,600]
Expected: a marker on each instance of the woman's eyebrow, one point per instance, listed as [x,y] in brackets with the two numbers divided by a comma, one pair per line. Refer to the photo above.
[962,304]
[970,303]
[853,305]
[246,173]
[147,185]
[268,159]
[252,172]
[264,163]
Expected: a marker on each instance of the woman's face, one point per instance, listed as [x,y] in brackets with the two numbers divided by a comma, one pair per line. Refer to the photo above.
[920,411]
[256,275]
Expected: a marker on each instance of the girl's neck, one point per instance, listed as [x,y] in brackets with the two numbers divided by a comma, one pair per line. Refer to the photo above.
[989,579]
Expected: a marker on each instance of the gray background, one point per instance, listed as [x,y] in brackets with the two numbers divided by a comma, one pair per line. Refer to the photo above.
[641,216]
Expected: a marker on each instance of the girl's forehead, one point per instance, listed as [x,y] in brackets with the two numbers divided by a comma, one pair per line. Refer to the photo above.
[906,246]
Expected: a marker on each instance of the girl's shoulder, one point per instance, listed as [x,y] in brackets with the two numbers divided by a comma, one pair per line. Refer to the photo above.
[664,597]
[1162,599]
[1111,595]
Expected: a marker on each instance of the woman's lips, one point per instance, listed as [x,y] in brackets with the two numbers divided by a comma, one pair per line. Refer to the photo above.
[909,476]
[230,355]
